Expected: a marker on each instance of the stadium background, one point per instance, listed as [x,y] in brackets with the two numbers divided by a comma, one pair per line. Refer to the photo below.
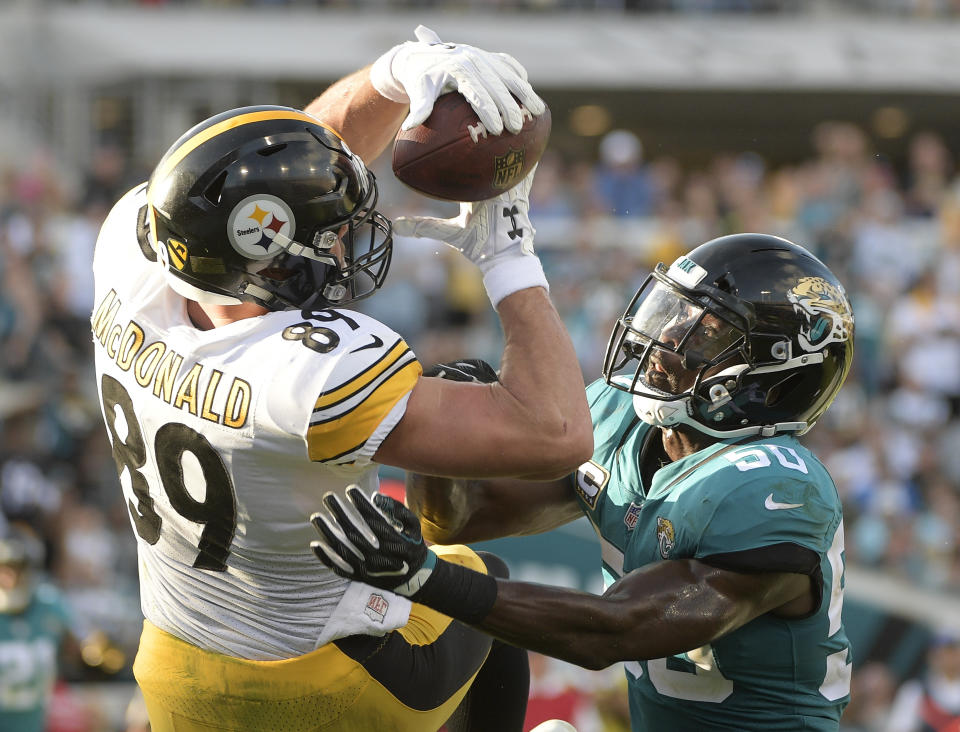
[831,122]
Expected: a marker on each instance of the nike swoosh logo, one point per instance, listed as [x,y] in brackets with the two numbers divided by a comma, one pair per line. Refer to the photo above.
[772,505]
[377,343]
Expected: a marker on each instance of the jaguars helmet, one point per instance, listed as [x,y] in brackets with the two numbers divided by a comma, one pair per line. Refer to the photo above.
[266,205]
[746,334]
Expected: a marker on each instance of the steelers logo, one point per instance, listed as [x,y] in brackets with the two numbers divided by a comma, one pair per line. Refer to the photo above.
[259,225]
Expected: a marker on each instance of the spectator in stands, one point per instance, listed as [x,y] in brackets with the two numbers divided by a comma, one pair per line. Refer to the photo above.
[931,703]
[870,697]
[623,184]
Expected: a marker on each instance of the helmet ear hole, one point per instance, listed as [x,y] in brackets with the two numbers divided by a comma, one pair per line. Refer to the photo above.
[268,151]
[726,283]
[781,389]
[214,191]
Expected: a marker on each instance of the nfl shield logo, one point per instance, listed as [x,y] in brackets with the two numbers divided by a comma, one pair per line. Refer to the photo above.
[376,608]
[633,513]
[506,169]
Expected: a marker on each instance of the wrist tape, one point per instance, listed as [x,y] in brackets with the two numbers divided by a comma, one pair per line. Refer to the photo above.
[513,274]
[459,592]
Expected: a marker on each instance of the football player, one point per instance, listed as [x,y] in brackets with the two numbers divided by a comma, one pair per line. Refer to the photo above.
[35,627]
[237,389]
[721,534]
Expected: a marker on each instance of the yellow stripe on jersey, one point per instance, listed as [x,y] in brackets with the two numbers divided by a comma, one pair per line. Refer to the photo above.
[243,119]
[347,433]
[360,382]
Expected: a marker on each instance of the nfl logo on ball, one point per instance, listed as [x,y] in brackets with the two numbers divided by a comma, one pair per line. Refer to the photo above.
[506,169]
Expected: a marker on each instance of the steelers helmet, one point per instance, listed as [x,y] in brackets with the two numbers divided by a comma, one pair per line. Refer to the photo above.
[265,204]
[746,334]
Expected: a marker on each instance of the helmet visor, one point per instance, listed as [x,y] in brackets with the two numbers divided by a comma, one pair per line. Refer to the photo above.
[673,339]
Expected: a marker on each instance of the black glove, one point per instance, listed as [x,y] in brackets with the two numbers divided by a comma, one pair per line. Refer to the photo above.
[468,369]
[376,541]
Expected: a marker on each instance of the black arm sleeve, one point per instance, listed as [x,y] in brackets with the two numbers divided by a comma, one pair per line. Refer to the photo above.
[783,557]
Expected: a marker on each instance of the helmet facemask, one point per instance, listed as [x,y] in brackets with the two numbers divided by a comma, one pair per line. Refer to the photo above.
[682,351]
[747,334]
[266,205]
[345,261]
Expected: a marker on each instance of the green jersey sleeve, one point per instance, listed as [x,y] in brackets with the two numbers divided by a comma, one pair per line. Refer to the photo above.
[764,495]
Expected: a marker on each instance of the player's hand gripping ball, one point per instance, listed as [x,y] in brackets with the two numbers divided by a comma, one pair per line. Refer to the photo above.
[452,156]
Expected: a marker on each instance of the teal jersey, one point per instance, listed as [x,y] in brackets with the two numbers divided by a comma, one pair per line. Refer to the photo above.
[741,504]
[29,646]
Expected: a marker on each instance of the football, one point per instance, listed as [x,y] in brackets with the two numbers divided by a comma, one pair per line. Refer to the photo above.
[452,157]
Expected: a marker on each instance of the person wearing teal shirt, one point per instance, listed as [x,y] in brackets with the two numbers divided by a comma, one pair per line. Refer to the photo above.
[35,624]
[721,534]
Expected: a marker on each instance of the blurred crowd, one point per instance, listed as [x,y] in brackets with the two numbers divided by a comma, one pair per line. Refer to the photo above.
[891,232]
[917,8]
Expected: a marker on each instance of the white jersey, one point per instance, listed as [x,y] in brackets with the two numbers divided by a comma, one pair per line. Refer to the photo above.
[225,441]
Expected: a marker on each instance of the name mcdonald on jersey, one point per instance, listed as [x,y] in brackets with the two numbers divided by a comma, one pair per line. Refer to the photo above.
[155,367]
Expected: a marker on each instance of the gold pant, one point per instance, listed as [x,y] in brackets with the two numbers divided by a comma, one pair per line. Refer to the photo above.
[409,680]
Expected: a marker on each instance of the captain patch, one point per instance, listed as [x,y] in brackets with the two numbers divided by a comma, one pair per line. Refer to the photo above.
[591,480]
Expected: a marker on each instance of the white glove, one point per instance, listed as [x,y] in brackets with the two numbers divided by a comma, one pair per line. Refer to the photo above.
[495,234]
[420,71]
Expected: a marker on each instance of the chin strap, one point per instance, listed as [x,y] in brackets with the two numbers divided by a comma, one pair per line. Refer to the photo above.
[670,413]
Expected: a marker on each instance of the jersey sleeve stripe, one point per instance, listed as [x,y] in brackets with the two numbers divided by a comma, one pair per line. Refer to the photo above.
[347,433]
[358,397]
[359,382]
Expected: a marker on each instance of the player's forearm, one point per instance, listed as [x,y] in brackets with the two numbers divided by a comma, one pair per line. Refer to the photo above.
[463,511]
[540,370]
[659,610]
[366,120]
[443,506]
[573,626]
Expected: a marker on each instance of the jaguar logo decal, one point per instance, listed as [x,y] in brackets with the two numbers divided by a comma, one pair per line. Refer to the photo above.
[827,315]
[666,536]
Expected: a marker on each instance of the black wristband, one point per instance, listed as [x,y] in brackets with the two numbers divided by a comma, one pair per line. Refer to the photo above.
[459,592]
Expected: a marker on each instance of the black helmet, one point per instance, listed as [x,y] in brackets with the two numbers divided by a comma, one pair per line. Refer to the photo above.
[250,206]
[761,329]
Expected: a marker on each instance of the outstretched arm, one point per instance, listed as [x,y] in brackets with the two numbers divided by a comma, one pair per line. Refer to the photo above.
[658,610]
[534,422]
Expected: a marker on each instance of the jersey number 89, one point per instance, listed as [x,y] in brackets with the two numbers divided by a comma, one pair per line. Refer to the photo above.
[218,510]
